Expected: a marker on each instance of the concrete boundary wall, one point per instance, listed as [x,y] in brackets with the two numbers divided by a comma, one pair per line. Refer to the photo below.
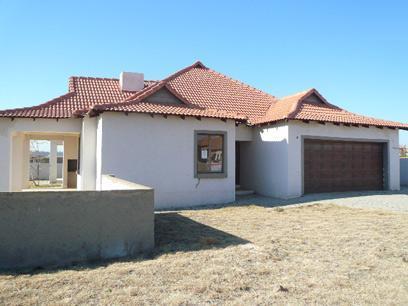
[404,171]
[53,228]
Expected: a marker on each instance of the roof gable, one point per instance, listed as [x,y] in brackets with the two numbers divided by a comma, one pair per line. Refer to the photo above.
[163,96]
[310,105]
[314,98]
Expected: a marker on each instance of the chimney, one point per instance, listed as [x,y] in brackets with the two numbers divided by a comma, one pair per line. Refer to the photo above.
[131,81]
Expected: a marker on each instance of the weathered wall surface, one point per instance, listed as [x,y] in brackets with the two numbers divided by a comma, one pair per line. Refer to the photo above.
[58,228]
[404,171]
[160,152]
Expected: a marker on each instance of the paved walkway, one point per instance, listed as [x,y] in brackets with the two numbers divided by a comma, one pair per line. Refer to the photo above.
[396,201]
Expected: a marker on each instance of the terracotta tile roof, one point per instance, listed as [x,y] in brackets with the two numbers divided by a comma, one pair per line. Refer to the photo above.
[203,93]
[204,90]
[209,89]
[300,107]
[166,109]
[83,94]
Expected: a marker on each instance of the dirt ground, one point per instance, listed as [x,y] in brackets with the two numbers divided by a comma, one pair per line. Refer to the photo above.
[323,254]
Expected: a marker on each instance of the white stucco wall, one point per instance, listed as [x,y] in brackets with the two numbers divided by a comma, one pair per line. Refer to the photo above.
[87,176]
[159,153]
[271,164]
[98,165]
[19,157]
[9,128]
[264,161]
[5,149]
[243,133]
[70,152]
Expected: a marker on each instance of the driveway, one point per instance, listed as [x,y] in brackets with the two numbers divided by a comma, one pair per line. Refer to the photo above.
[396,201]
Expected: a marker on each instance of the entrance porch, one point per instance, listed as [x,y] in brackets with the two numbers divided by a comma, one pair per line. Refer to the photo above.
[37,168]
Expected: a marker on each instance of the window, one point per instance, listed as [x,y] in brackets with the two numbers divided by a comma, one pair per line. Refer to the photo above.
[210,154]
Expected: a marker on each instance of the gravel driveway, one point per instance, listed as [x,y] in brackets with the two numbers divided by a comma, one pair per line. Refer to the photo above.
[396,201]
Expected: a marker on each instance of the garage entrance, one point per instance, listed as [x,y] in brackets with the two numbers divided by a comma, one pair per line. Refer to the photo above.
[334,166]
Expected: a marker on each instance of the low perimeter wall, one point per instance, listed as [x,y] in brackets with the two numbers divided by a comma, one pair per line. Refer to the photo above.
[404,171]
[39,229]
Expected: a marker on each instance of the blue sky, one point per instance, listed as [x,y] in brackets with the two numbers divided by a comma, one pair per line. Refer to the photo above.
[354,52]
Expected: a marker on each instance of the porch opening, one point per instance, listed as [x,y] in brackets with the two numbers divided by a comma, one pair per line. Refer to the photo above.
[46,164]
[43,161]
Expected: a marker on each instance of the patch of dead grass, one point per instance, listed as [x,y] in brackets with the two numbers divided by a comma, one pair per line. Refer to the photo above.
[244,255]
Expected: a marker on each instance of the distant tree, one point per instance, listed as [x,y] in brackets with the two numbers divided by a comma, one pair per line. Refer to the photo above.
[403,151]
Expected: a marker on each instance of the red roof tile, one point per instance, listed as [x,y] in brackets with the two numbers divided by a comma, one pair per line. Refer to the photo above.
[203,92]
[84,93]
[167,109]
[298,107]
[201,87]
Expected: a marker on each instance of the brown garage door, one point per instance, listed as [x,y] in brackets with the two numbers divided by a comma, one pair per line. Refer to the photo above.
[342,166]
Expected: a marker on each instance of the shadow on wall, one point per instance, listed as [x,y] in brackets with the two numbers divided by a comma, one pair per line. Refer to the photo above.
[174,232]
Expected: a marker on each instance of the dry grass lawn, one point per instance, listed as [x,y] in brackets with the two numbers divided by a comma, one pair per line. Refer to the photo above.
[321,254]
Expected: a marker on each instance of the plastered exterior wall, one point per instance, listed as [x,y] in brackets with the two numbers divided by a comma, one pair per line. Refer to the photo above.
[70,152]
[159,152]
[9,129]
[264,161]
[87,176]
[404,171]
[243,133]
[99,121]
[6,151]
[272,164]
[299,130]
[40,229]
[19,159]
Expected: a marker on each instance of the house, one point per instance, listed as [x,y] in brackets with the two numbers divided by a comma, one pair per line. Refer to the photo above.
[196,134]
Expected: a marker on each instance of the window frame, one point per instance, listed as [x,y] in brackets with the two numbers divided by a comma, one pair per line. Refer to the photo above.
[222,174]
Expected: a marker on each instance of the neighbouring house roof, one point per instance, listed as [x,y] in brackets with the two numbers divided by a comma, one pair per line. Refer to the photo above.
[202,92]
